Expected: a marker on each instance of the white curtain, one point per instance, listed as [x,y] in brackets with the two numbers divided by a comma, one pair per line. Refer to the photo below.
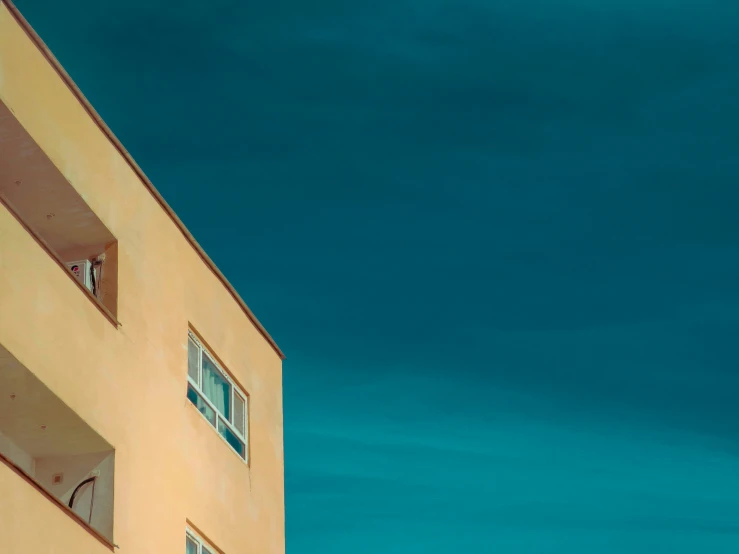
[216,388]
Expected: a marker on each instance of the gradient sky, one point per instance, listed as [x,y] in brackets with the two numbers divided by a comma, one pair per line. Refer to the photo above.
[497,239]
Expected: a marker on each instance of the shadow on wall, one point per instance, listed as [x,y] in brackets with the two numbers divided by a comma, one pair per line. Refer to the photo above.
[34,190]
[54,446]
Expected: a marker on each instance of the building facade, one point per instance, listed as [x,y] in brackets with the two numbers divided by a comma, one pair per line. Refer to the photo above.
[140,399]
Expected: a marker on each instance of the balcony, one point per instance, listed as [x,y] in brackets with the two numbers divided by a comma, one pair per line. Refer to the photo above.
[48,445]
[38,195]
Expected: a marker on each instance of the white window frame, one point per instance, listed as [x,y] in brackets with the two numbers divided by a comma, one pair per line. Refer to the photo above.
[235,390]
[204,547]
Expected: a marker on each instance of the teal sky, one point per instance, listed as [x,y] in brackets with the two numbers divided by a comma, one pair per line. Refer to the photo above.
[498,241]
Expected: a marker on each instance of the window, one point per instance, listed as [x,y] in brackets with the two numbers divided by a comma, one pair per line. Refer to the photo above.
[216,396]
[196,545]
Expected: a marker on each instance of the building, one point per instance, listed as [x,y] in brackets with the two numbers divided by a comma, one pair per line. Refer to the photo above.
[135,384]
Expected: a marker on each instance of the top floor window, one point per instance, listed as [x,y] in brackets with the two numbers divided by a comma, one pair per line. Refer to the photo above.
[195,545]
[216,396]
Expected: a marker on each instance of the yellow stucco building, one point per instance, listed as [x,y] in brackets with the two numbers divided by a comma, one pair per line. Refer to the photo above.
[140,399]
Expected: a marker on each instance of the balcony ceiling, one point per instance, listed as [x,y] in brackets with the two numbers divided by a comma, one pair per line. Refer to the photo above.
[42,196]
[34,406]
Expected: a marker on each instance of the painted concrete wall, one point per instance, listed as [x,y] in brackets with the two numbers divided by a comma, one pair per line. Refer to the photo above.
[129,384]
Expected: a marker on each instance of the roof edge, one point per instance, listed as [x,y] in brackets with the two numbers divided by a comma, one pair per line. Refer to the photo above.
[137,170]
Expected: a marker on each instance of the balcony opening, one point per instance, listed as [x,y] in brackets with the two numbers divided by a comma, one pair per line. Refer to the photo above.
[55,449]
[37,193]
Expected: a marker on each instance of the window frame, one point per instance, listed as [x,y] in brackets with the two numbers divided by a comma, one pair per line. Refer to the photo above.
[204,547]
[235,390]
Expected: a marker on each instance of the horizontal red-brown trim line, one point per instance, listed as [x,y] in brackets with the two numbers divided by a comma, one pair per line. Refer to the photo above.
[139,172]
[63,507]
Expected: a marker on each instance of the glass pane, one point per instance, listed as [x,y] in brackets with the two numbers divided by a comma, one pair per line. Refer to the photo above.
[201,405]
[216,388]
[193,352]
[231,438]
[239,413]
[206,551]
[192,546]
